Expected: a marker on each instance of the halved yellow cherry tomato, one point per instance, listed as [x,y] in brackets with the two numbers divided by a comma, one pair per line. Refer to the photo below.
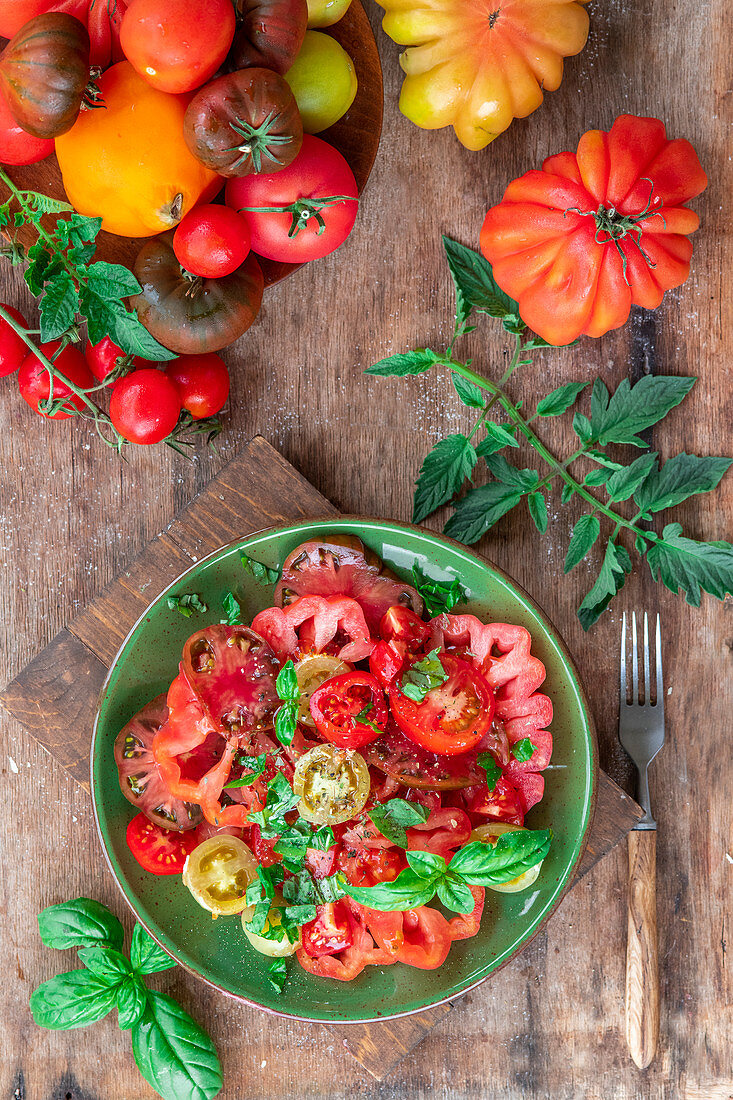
[489,834]
[218,873]
[311,673]
[333,784]
[276,949]
[324,13]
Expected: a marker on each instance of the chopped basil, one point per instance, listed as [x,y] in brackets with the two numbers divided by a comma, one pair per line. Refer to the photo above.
[396,815]
[232,610]
[259,571]
[256,765]
[492,769]
[186,604]
[522,750]
[439,596]
[425,675]
[277,972]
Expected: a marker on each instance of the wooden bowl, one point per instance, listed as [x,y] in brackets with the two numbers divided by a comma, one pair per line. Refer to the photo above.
[356,136]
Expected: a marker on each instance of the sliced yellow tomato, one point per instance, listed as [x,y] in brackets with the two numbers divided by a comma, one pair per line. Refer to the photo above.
[275,949]
[477,64]
[218,873]
[489,834]
[332,784]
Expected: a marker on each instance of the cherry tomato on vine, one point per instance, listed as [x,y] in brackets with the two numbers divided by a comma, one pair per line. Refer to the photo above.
[176,46]
[349,710]
[316,200]
[106,356]
[202,382]
[34,383]
[16,146]
[145,406]
[211,241]
[13,350]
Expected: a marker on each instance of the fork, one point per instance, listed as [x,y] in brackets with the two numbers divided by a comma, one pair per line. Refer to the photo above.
[641,732]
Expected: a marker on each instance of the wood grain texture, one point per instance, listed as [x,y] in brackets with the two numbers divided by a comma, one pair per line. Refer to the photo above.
[642,964]
[550,1025]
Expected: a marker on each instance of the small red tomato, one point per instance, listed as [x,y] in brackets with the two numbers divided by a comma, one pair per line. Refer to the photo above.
[16,146]
[176,45]
[144,406]
[211,241]
[104,357]
[34,383]
[13,350]
[202,382]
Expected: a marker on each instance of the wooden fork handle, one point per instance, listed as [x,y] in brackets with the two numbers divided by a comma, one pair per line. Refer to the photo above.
[642,973]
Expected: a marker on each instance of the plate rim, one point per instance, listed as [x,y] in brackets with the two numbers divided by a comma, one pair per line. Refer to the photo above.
[483,561]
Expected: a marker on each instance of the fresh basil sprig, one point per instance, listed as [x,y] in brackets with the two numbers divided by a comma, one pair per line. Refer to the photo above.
[619,418]
[392,818]
[475,864]
[422,677]
[439,596]
[186,604]
[174,1055]
[288,689]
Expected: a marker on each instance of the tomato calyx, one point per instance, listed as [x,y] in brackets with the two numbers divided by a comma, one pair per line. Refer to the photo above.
[612,227]
[92,97]
[258,140]
[302,210]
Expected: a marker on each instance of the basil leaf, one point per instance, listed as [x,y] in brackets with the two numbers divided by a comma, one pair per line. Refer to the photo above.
[438,596]
[82,922]
[322,839]
[131,999]
[480,509]
[523,750]
[256,765]
[277,972]
[409,362]
[426,864]
[286,683]
[681,477]
[422,677]
[301,914]
[186,604]
[408,891]
[492,769]
[396,815]
[442,474]
[286,723]
[232,610]
[611,579]
[106,963]
[585,532]
[455,895]
[258,920]
[682,563]
[146,956]
[560,400]
[172,1052]
[72,1000]
[259,571]
[490,864]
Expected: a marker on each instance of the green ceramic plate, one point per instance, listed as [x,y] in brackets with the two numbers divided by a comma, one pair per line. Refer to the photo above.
[218,951]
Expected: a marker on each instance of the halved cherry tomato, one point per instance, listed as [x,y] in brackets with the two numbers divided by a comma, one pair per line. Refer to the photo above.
[330,932]
[452,717]
[332,784]
[311,672]
[349,710]
[160,851]
[401,624]
[503,803]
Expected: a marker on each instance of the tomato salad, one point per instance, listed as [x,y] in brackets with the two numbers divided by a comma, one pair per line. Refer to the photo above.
[346,775]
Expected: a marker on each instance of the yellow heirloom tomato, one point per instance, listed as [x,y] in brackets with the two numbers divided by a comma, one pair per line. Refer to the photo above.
[477,64]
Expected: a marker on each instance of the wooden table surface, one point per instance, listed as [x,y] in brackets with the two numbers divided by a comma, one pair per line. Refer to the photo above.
[72,515]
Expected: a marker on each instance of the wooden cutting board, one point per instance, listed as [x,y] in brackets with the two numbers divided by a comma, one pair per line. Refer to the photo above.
[55,696]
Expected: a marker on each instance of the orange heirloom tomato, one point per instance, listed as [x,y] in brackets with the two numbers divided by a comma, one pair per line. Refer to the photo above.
[129,163]
[477,64]
[597,231]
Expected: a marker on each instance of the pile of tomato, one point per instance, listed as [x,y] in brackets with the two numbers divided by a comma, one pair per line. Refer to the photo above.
[202,762]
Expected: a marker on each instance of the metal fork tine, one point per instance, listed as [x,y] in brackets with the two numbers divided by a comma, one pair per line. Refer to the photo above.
[658,659]
[634,662]
[647,688]
[623,659]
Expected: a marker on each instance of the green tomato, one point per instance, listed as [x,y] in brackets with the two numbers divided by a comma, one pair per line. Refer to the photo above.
[324,13]
[323,81]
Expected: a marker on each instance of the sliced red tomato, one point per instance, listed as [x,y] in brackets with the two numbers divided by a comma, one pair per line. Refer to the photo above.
[453,717]
[426,938]
[368,866]
[262,848]
[330,932]
[340,565]
[432,800]
[387,660]
[530,787]
[233,672]
[411,766]
[320,863]
[502,804]
[465,925]
[401,624]
[312,624]
[349,710]
[160,851]
[349,963]
[444,831]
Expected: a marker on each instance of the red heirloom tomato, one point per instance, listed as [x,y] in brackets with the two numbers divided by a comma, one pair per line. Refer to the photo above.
[144,406]
[315,200]
[408,764]
[400,624]
[174,45]
[17,146]
[330,932]
[160,851]
[596,231]
[269,34]
[106,356]
[13,350]
[211,241]
[34,385]
[349,710]
[102,20]
[453,717]
[202,382]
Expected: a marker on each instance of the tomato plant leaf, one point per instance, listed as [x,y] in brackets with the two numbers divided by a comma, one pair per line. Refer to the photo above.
[611,579]
[582,427]
[111,281]
[480,509]
[72,1000]
[408,362]
[133,337]
[560,400]
[175,1056]
[442,474]
[468,392]
[538,511]
[585,532]
[476,287]
[680,477]
[503,471]
[687,565]
[59,306]
[597,477]
[618,418]
[147,956]
[131,999]
[623,483]
[81,922]
[498,436]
